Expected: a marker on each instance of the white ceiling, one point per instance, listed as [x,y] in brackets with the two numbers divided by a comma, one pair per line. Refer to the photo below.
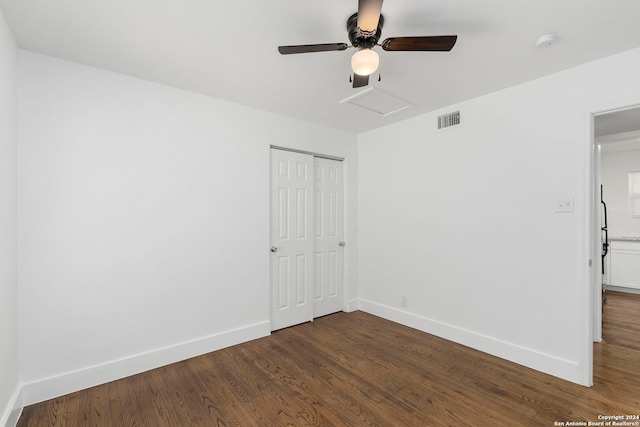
[228,49]
[617,122]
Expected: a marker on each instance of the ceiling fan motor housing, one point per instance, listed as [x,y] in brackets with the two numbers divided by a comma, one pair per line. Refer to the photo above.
[362,39]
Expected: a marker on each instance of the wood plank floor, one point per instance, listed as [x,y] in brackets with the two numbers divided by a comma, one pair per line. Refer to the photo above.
[621,319]
[358,370]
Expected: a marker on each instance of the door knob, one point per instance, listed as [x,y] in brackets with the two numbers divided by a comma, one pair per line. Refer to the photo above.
[274,249]
[342,244]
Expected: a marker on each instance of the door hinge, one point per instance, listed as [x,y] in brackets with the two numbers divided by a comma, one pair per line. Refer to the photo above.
[590,262]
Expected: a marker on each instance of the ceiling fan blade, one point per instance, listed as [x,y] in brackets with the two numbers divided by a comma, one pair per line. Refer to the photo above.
[307,48]
[369,15]
[428,43]
[360,81]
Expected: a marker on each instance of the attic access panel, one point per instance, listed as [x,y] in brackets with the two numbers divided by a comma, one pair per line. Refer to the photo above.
[375,101]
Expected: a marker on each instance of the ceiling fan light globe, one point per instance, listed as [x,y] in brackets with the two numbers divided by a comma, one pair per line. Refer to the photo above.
[365,62]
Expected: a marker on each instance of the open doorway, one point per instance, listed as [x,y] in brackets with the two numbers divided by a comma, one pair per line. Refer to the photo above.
[616,137]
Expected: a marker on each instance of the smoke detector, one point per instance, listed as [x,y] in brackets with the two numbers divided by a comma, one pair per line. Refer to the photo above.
[546,40]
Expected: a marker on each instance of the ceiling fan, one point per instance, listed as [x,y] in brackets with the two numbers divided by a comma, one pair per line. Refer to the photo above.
[364,29]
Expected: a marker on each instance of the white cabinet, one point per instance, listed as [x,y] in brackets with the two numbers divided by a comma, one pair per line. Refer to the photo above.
[625,263]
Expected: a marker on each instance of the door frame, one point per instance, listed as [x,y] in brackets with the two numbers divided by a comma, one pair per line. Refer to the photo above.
[590,291]
[345,217]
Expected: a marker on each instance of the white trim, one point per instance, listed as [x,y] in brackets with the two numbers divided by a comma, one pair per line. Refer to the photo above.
[311,153]
[618,137]
[353,305]
[623,289]
[68,382]
[547,363]
[587,255]
[13,410]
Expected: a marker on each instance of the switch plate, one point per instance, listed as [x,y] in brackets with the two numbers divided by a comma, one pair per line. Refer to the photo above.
[564,204]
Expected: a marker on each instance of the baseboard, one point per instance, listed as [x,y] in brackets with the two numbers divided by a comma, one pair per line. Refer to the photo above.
[353,305]
[552,365]
[621,289]
[12,412]
[69,382]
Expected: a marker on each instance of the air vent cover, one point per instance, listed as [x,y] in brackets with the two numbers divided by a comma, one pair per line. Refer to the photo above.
[448,120]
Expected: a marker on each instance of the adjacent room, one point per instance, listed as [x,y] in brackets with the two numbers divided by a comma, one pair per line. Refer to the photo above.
[330,213]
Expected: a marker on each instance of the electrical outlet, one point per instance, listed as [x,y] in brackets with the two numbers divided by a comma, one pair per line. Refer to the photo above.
[404,301]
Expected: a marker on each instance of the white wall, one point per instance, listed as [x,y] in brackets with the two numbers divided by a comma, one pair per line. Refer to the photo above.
[462,221]
[143,222]
[8,264]
[615,169]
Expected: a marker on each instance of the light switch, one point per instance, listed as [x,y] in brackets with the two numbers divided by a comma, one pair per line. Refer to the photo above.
[564,204]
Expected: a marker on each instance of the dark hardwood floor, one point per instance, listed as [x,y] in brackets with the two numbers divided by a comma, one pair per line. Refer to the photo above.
[359,370]
[621,319]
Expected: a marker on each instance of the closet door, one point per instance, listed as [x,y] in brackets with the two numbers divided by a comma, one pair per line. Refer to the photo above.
[291,238]
[328,235]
